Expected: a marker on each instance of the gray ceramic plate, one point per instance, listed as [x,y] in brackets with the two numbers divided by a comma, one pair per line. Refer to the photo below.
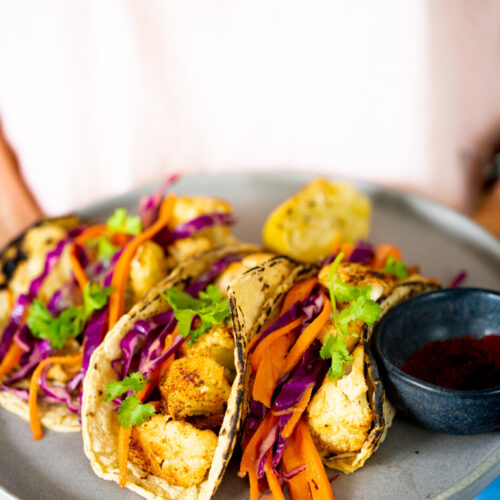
[413,463]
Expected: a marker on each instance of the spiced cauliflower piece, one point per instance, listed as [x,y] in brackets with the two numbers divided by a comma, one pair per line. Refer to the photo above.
[188,208]
[195,386]
[339,415]
[37,242]
[175,451]
[359,275]
[148,267]
[217,344]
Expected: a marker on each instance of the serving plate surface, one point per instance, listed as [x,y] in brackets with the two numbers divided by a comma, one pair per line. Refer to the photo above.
[413,463]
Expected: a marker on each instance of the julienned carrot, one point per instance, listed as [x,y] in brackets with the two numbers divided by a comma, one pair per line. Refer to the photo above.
[337,240]
[316,475]
[347,249]
[294,461]
[91,233]
[383,252]
[120,274]
[12,359]
[307,336]
[123,444]
[248,464]
[36,428]
[77,269]
[264,345]
[270,368]
[272,480]
[297,413]
[120,239]
[300,291]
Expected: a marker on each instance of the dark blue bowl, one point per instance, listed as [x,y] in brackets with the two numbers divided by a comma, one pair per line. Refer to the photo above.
[439,315]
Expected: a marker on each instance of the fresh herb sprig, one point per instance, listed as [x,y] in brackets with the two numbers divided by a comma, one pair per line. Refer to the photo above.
[70,322]
[211,309]
[396,268]
[132,411]
[121,222]
[360,307]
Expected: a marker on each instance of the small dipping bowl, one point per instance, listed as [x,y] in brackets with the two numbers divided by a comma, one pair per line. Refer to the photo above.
[439,315]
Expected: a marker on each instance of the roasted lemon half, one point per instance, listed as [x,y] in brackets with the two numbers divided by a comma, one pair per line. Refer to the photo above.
[305,226]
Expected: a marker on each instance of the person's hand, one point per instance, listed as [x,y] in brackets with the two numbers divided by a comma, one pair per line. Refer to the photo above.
[18,209]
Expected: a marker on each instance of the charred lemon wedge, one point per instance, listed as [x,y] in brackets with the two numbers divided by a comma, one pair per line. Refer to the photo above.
[305,226]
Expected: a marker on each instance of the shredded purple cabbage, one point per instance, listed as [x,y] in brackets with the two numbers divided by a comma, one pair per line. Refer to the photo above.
[50,262]
[265,448]
[293,472]
[256,414]
[363,253]
[93,335]
[60,394]
[149,206]
[24,338]
[40,350]
[458,279]
[24,394]
[208,276]
[16,317]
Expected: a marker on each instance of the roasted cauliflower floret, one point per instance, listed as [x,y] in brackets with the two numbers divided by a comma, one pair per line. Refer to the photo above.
[339,415]
[37,242]
[194,386]
[190,207]
[174,451]
[359,275]
[188,247]
[235,269]
[148,267]
[217,344]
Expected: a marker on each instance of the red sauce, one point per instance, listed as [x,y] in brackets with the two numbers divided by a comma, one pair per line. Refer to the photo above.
[464,363]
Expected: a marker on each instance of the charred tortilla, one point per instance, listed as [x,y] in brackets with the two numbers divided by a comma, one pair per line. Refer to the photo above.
[100,425]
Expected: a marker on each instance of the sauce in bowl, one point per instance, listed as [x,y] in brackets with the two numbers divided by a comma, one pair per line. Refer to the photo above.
[464,363]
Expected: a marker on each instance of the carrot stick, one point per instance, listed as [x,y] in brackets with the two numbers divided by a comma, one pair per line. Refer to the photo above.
[383,252]
[266,342]
[36,428]
[293,459]
[307,336]
[91,233]
[270,369]
[251,451]
[77,269]
[120,274]
[272,480]
[123,445]
[120,239]
[337,240]
[10,299]
[300,291]
[315,472]
[12,359]
[297,413]
[347,249]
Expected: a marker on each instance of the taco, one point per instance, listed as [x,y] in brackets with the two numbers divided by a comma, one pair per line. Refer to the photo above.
[64,282]
[313,391]
[163,395]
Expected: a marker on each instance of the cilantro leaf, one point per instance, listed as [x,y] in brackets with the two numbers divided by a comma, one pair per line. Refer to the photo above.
[396,268]
[347,293]
[211,309]
[134,382]
[121,222]
[105,249]
[95,298]
[133,412]
[335,349]
[362,308]
[57,329]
